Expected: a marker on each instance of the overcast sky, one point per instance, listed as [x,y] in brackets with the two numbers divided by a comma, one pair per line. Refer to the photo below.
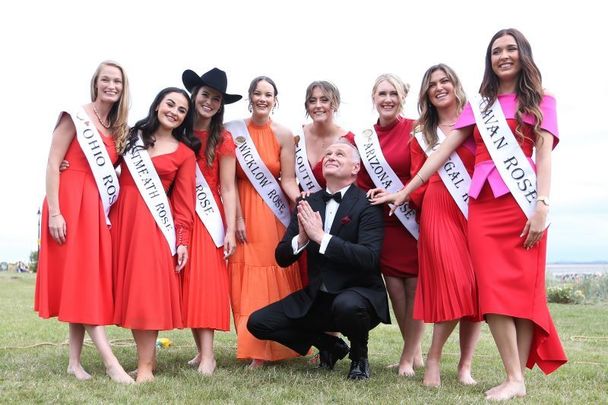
[51,48]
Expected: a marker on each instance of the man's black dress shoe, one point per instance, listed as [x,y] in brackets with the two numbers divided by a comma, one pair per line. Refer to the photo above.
[329,357]
[359,369]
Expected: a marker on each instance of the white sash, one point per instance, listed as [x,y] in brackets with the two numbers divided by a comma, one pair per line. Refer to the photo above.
[151,189]
[453,172]
[208,210]
[511,162]
[99,160]
[304,172]
[383,176]
[258,174]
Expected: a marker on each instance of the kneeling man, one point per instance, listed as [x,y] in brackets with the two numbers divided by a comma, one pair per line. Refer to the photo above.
[342,234]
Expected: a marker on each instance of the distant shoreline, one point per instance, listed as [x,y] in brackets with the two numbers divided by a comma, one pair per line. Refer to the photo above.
[577,268]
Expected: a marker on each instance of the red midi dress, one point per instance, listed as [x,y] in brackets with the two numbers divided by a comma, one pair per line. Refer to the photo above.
[74,280]
[206,302]
[147,287]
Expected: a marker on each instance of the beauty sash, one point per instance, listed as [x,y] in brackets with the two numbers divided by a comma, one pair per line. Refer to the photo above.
[258,174]
[453,172]
[208,210]
[151,189]
[94,149]
[304,172]
[510,160]
[383,176]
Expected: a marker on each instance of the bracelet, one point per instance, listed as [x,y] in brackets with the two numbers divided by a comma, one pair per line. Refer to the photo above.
[55,215]
[420,177]
[241,218]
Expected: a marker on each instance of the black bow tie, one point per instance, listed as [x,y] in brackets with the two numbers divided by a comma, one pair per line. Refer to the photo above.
[337,196]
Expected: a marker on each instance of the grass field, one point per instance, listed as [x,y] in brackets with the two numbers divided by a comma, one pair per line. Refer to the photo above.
[33,360]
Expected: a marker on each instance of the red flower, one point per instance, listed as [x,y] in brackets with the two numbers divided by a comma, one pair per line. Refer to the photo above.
[345,220]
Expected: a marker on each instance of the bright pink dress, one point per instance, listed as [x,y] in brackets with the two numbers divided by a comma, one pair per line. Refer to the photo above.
[510,279]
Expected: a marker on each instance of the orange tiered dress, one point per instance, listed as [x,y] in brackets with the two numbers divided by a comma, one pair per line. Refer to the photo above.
[206,303]
[74,280]
[147,287]
[256,280]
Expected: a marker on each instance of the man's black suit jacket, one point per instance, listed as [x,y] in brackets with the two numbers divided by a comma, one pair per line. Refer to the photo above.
[351,260]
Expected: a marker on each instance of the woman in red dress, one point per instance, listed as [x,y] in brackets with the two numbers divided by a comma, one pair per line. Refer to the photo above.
[146,274]
[446,293]
[508,249]
[206,303]
[399,256]
[321,104]
[74,279]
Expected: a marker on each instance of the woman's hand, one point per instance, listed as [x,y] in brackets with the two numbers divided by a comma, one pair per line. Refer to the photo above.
[535,226]
[379,196]
[241,233]
[229,244]
[64,165]
[182,257]
[57,228]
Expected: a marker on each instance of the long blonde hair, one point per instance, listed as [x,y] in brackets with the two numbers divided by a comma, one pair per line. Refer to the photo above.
[429,119]
[119,113]
[400,86]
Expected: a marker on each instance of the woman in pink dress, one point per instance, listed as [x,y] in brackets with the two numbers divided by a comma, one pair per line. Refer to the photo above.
[508,247]
[74,279]
[446,293]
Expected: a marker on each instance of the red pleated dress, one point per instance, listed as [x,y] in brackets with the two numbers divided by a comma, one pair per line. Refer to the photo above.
[446,288]
[206,300]
[74,280]
[147,287]
[399,255]
[510,278]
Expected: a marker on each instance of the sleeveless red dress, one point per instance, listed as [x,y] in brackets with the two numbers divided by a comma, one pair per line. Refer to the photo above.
[446,288]
[74,280]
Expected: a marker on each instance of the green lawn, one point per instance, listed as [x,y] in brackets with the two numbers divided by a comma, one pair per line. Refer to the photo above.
[33,360]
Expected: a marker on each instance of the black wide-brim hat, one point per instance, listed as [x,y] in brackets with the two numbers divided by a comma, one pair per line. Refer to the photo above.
[215,78]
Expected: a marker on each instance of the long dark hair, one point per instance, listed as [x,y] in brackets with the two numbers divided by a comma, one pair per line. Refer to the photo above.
[429,118]
[529,89]
[216,127]
[150,124]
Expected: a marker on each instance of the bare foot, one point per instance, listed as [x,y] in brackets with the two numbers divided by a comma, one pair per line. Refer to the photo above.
[195,361]
[119,375]
[432,374]
[493,389]
[465,377]
[255,363]
[143,377]
[418,362]
[406,370]
[507,390]
[78,372]
[207,366]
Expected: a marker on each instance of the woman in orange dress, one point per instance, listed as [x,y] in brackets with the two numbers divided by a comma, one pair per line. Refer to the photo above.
[256,279]
[146,272]
[508,246]
[74,279]
[206,304]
